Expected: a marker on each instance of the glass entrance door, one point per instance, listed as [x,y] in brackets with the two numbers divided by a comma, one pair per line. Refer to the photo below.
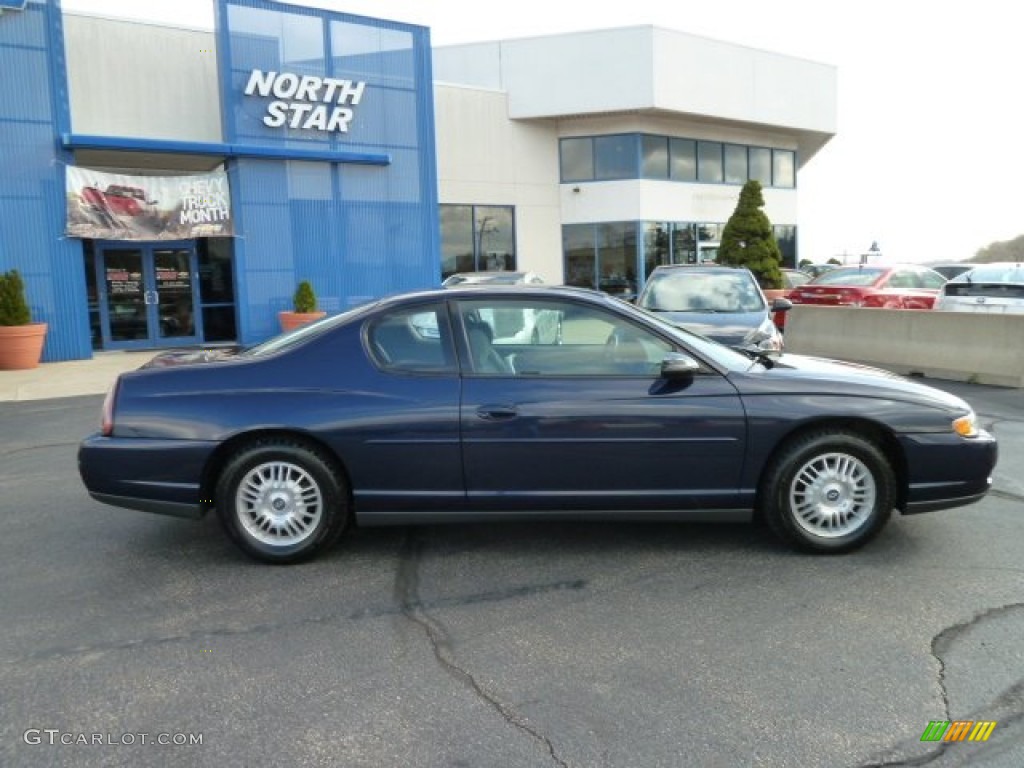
[148,295]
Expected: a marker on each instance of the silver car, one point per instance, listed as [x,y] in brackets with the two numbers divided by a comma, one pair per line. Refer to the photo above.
[992,288]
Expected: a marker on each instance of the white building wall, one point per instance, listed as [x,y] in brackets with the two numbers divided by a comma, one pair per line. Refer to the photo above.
[642,200]
[483,158]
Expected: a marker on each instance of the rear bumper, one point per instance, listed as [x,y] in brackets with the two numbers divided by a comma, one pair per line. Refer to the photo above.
[159,476]
[946,470]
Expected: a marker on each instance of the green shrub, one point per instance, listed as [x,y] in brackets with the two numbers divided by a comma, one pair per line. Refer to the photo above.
[305,298]
[13,307]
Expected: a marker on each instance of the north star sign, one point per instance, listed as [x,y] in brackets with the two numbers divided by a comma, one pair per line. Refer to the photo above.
[306,102]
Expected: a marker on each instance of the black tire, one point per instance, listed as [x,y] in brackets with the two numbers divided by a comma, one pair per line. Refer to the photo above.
[281,501]
[828,492]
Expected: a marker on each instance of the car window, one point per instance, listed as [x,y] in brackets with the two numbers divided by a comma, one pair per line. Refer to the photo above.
[862,276]
[304,333]
[412,340]
[903,279]
[931,279]
[683,290]
[510,336]
[793,279]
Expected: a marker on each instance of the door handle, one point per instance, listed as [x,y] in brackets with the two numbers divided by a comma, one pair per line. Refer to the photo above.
[497,412]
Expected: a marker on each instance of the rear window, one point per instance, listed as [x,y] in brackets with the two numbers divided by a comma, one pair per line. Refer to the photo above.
[993,274]
[862,276]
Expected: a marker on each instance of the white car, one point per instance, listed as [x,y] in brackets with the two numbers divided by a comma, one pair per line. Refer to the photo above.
[492,278]
[992,288]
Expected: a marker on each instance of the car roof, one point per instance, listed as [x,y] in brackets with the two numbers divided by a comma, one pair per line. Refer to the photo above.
[700,268]
[475,290]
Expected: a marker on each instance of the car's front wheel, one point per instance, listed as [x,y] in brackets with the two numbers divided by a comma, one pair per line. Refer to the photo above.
[281,501]
[828,492]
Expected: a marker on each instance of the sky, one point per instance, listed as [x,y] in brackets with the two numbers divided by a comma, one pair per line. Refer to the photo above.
[928,158]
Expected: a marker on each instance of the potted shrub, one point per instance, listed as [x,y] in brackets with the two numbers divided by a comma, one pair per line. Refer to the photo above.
[305,311]
[21,340]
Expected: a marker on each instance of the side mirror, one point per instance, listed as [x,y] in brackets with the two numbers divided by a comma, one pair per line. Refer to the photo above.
[782,305]
[676,365]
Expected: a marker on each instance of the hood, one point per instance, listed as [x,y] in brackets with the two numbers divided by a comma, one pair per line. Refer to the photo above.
[728,328]
[191,357]
[838,376]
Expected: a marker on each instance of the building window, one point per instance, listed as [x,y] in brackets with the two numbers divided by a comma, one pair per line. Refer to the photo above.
[760,165]
[783,168]
[577,159]
[785,236]
[709,162]
[602,256]
[735,164]
[654,158]
[683,159]
[645,156]
[477,238]
[615,157]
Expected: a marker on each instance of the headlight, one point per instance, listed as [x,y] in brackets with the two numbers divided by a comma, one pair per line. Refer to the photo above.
[966,426]
[766,338]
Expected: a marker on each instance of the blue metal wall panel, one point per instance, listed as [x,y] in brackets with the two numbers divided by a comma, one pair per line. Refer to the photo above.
[33,113]
[355,231]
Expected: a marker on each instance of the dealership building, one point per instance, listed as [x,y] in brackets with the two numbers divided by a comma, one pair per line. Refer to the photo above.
[169,186]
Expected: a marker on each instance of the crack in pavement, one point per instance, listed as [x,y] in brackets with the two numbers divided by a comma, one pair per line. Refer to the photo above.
[407,586]
[26,448]
[491,596]
[1008,495]
[1010,700]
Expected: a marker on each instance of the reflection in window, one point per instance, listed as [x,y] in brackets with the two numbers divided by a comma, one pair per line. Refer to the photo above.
[683,159]
[760,165]
[783,168]
[615,157]
[709,162]
[655,157]
[786,238]
[577,159]
[602,256]
[735,164]
[580,260]
[645,156]
[477,238]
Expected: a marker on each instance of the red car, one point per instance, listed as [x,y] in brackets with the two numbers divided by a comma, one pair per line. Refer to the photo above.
[901,286]
[791,278]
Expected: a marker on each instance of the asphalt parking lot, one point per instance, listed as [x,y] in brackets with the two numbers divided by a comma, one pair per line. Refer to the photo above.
[504,645]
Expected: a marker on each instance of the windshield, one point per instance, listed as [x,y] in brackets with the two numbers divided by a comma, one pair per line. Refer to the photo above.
[683,290]
[849,276]
[304,333]
[717,353]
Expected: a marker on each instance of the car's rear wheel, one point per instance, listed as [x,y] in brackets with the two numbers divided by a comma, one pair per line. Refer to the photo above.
[828,492]
[281,501]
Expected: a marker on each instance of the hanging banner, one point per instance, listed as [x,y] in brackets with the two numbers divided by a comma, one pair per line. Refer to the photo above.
[114,206]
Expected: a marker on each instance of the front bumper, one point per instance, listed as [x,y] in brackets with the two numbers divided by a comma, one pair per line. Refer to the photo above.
[946,470]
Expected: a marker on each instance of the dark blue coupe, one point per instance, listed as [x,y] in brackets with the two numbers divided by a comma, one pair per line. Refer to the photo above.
[525,402]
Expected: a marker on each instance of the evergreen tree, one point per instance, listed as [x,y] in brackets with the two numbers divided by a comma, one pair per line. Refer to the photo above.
[748,240]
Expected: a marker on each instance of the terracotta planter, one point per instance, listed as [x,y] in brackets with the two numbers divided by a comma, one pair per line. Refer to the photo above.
[21,346]
[291,320]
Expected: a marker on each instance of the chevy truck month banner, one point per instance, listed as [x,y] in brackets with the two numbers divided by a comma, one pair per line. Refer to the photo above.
[112,206]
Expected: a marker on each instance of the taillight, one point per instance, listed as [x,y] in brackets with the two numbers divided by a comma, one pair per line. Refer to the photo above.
[107,415]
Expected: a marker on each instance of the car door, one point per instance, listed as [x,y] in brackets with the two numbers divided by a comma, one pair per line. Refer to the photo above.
[403,452]
[580,418]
